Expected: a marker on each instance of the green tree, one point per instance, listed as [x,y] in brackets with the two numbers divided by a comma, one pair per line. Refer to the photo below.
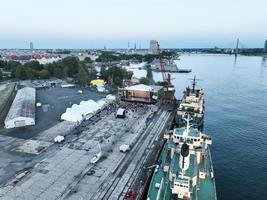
[144,80]
[30,73]
[59,72]
[51,68]
[92,73]
[149,74]
[83,78]
[104,73]
[44,74]
[20,73]
[88,60]
[35,65]
[1,75]
[12,66]
[126,74]
[3,64]
[71,66]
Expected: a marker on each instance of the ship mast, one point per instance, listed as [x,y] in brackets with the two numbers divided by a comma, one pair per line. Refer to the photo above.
[194,82]
[236,48]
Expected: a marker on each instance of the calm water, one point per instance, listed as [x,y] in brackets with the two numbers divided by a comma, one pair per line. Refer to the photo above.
[236,117]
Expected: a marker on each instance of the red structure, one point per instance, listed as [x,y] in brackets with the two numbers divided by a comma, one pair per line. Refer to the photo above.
[168,96]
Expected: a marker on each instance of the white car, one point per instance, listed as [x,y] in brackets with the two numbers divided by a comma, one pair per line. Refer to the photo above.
[96,158]
[59,139]
[124,148]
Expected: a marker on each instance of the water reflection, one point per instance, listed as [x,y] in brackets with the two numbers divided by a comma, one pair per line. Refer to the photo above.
[263,63]
[235,61]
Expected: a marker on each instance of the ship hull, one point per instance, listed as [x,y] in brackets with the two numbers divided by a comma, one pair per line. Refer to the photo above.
[205,190]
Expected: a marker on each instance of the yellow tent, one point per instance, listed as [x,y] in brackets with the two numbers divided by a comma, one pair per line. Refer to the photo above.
[97,82]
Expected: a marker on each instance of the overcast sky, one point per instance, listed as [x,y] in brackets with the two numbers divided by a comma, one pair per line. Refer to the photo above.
[95,23]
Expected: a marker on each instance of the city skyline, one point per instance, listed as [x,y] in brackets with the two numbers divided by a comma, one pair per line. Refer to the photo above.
[114,23]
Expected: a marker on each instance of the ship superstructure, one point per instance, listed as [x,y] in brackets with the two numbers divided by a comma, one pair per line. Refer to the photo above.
[193,104]
[185,169]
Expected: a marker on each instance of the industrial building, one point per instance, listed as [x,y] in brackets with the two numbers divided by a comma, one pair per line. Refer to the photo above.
[154,47]
[140,93]
[31,46]
[22,110]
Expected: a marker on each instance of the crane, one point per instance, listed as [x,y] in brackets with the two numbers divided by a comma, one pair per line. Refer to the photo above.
[168,96]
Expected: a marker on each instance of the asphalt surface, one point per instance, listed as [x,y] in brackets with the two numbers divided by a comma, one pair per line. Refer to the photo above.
[54,103]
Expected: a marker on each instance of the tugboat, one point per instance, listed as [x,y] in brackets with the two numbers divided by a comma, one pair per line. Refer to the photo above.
[185,169]
[193,104]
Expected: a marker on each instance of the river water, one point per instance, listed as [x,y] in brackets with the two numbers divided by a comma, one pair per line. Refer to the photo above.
[236,118]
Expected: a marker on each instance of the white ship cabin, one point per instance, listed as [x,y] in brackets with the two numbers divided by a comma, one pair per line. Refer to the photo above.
[188,152]
[192,101]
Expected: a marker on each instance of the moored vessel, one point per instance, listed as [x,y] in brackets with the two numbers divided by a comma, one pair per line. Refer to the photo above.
[185,169]
[192,103]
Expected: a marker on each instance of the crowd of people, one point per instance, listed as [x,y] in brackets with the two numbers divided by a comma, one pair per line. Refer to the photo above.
[128,106]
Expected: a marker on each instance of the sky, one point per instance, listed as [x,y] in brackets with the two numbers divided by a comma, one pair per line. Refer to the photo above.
[114,23]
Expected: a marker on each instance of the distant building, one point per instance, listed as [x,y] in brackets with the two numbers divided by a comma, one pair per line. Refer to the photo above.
[154,47]
[265,46]
[31,46]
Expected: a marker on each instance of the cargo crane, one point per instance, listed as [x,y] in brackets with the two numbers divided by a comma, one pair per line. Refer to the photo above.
[168,96]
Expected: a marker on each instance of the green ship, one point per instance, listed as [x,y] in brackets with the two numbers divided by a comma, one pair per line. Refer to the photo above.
[185,169]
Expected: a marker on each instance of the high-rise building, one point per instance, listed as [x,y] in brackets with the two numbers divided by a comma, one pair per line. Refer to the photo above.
[265,46]
[31,46]
[154,47]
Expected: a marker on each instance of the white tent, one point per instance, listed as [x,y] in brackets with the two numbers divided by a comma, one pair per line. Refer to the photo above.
[111,97]
[85,109]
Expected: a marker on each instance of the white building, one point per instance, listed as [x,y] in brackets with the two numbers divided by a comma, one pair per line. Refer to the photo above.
[154,47]
[22,110]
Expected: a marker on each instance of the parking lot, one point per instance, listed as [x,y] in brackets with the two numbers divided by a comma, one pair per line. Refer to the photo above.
[54,102]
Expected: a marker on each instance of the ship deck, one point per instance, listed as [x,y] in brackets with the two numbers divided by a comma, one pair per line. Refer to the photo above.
[206,187]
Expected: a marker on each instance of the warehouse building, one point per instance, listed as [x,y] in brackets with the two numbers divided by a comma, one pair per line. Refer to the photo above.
[22,110]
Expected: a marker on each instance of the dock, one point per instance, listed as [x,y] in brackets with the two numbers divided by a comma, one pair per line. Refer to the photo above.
[64,171]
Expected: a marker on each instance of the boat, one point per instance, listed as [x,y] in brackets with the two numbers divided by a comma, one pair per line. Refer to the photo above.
[170,66]
[185,169]
[192,103]
[184,70]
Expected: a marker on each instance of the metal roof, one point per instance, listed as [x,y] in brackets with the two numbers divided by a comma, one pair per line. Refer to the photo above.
[23,104]
[120,111]
[140,87]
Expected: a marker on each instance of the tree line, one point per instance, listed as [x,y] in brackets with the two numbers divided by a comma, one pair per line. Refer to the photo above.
[82,71]
[109,56]
[114,75]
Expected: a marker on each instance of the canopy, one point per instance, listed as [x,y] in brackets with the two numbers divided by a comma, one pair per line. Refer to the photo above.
[78,112]
[97,82]
[111,97]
